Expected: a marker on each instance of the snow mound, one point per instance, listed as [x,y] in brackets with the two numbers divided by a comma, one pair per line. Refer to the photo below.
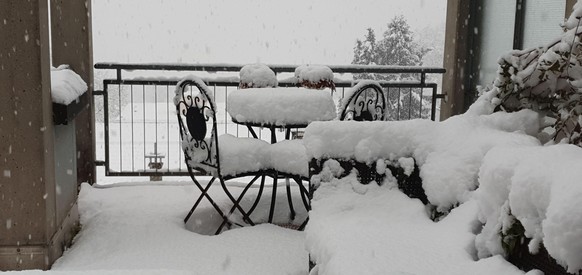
[313,73]
[66,85]
[280,106]
[540,187]
[240,155]
[371,229]
[448,153]
[257,76]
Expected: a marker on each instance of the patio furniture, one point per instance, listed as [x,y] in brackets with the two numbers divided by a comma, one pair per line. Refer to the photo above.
[227,157]
[319,143]
[279,108]
[364,102]
[282,109]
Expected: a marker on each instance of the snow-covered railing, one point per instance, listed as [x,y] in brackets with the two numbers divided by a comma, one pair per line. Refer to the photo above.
[134,106]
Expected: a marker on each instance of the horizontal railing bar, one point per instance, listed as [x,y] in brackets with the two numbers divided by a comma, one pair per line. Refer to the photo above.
[339,84]
[276,68]
[147,174]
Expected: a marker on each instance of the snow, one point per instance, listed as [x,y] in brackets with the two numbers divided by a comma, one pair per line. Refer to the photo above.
[240,155]
[313,73]
[280,106]
[353,228]
[66,85]
[371,229]
[127,229]
[257,76]
[540,188]
[448,153]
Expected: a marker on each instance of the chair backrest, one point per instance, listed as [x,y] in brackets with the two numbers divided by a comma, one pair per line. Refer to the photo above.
[196,114]
[365,102]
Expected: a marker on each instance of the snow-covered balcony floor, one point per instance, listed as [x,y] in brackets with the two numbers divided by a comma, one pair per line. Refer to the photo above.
[137,228]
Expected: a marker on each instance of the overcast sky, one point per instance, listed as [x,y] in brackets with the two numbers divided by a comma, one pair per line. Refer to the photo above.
[246,31]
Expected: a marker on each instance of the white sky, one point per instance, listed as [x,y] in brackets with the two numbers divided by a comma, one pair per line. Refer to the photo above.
[247,31]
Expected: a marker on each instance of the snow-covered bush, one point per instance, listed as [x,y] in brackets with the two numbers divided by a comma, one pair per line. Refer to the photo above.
[539,189]
[548,80]
[448,154]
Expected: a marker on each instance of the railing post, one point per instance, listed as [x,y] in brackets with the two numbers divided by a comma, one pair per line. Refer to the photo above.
[433,104]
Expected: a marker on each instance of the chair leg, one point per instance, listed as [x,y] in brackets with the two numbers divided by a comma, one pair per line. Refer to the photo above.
[212,202]
[240,197]
[303,191]
[235,203]
[302,226]
[273,198]
[204,191]
[261,188]
[289,199]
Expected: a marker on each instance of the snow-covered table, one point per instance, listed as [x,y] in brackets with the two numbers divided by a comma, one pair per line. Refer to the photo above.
[280,108]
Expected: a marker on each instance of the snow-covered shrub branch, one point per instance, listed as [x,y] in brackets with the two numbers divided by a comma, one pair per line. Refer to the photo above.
[548,80]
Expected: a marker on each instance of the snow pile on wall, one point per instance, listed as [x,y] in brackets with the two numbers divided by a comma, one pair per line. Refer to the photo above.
[66,85]
[541,188]
[257,76]
[448,153]
[280,106]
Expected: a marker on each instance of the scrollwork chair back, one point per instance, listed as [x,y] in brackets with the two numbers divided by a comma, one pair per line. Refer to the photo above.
[197,122]
[367,103]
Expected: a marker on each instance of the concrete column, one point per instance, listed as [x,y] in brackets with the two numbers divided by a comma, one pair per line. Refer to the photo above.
[37,220]
[27,175]
[72,45]
[456,57]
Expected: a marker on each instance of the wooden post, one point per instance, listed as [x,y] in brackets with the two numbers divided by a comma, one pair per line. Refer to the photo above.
[72,44]
[27,174]
[569,7]
[456,57]
[37,222]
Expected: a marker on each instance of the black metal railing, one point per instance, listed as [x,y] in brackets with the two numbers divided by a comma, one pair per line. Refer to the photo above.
[136,127]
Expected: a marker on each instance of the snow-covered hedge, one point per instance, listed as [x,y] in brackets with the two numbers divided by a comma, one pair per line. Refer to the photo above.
[448,153]
[540,187]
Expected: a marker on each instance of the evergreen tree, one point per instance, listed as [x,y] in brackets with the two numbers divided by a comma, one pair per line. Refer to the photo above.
[397,47]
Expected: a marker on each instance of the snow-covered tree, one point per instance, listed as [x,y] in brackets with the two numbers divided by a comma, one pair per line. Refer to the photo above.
[548,80]
[397,47]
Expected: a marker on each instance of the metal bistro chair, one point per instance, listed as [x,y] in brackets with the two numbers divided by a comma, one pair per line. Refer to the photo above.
[200,145]
[238,157]
[365,102]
